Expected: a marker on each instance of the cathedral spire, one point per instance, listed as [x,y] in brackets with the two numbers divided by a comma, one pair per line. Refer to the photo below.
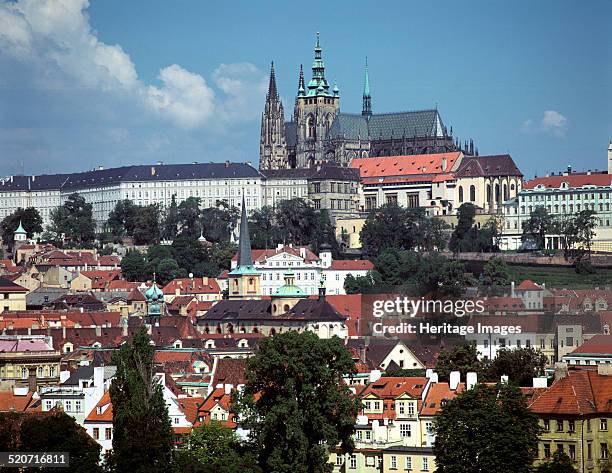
[301,88]
[366,110]
[272,91]
[318,85]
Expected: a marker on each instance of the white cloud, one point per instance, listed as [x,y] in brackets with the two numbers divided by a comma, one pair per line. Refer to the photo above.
[184,97]
[53,38]
[551,122]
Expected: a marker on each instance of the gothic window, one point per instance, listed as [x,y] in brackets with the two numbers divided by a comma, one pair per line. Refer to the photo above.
[473,193]
[505,191]
[460,194]
[310,127]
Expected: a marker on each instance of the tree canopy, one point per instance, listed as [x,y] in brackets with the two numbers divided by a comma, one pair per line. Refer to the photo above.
[467,237]
[73,221]
[29,218]
[142,433]
[392,226]
[486,429]
[296,404]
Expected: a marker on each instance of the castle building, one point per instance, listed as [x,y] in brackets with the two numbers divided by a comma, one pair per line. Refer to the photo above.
[319,133]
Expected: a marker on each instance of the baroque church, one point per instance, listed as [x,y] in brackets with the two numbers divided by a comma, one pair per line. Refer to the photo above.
[319,133]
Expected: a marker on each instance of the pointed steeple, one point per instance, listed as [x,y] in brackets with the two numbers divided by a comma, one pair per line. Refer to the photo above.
[272,92]
[318,85]
[366,109]
[301,87]
[245,259]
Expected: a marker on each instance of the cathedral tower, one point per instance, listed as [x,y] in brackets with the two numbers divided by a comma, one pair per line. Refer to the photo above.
[272,145]
[315,110]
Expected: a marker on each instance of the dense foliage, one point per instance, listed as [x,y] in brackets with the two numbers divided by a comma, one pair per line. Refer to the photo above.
[467,237]
[392,226]
[486,429]
[29,218]
[52,432]
[142,433]
[296,404]
[73,222]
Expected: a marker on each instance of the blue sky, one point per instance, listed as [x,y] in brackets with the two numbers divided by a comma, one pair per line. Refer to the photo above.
[112,82]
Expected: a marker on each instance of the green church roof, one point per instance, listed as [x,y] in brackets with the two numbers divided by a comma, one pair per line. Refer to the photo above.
[20,229]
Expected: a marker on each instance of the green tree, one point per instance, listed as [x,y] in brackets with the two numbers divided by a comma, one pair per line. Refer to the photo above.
[263,229]
[191,256]
[146,225]
[74,221]
[134,266]
[296,403]
[520,365]
[586,222]
[368,284]
[453,280]
[486,429]
[560,463]
[539,224]
[221,254]
[142,433]
[189,217]
[166,270]
[219,221]
[171,220]
[465,223]
[495,273]
[298,219]
[433,234]
[121,219]
[389,226]
[216,448]
[29,218]
[462,358]
[52,432]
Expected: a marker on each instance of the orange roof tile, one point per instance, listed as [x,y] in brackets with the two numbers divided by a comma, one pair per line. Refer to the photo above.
[351,265]
[574,180]
[103,412]
[422,164]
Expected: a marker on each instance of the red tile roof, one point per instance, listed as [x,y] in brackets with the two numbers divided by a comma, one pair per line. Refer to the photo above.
[11,402]
[351,265]
[218,396]
[9,286]
[581,392]
[349,306]
[389,166]
[101,278]
[437,393]
[192,286]
[574,180]
[260,256]
[528,285]
[122,285]
[103,412]
[230,371]
[599,344]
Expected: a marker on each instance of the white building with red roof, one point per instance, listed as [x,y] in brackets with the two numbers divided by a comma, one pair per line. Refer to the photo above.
[562,194]
[308,267]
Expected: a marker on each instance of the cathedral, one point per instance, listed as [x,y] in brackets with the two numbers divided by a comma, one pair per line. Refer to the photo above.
[319,133]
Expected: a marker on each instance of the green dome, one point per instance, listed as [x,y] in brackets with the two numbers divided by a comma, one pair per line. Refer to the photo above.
[289,289]
[154,293]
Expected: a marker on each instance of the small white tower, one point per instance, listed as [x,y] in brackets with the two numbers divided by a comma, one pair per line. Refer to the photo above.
[610,158]
[20,234]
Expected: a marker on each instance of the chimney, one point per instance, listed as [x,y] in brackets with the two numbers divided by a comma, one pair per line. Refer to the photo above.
[32,379]
[153,171]
[98,376]
[375,375]
[471,380]
[604,369]
[455,377]
[560,370]
[541,382]
[512,289]
[444,164]
[228,388]
[205,280]
[98,331]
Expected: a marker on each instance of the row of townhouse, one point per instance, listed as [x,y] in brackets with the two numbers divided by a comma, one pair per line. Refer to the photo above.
[160,183]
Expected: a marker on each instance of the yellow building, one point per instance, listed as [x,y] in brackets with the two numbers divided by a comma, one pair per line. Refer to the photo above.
[29,360]
[576,417]
[12,296]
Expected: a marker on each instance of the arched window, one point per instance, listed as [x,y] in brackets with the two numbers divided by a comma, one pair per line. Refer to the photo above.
[460,193]
[310,127]
[473,193]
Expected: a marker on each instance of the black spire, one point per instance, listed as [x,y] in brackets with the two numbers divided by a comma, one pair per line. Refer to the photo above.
[272,92]
[301,87]
[366,109]
[244,249]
